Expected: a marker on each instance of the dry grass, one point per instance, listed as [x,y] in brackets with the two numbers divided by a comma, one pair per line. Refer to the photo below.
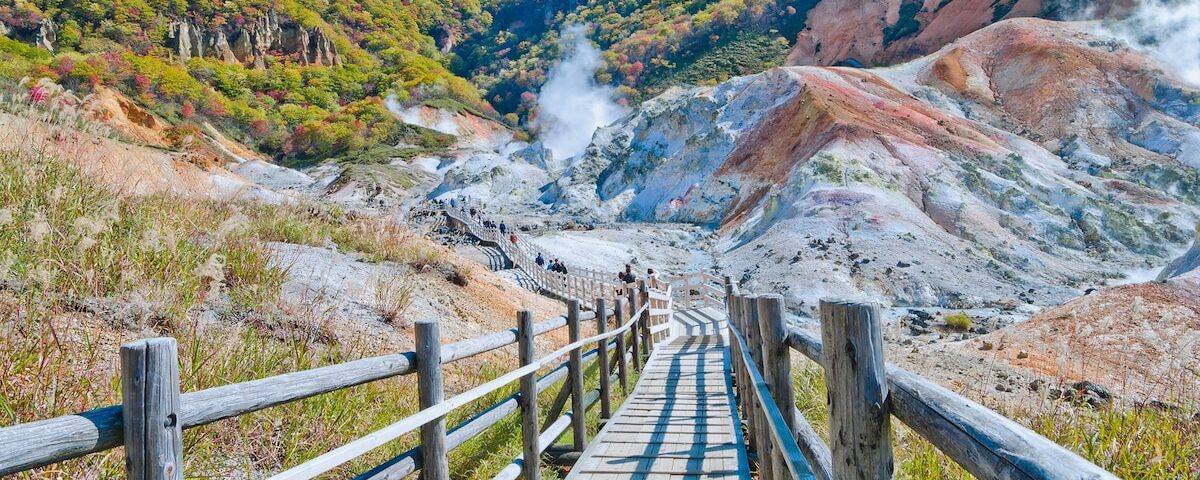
[393,295]
[84,269]
[1142,443]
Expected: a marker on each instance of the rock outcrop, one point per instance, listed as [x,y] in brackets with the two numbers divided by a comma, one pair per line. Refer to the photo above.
[1188,263]
[1140,339]
[255,41]
[885,32]
[998,172]
[44,34]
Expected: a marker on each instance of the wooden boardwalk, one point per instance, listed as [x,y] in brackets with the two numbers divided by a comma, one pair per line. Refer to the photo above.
[680,421]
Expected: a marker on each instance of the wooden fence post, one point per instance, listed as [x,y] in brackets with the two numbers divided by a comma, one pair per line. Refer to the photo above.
[747,398]
[150,397]
[728,292]
[633,331]
[735,324]
[430,392]
[528,401]
[762,429]
[647,339]
[622,374]
[859,408]
[777,362]
[575,373]
[602,359]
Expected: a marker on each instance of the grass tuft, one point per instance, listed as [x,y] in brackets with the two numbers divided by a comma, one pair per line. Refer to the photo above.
[959,320]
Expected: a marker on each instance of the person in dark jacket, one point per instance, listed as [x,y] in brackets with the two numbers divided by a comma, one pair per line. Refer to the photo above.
[627,276]
[503,228]
[540,260]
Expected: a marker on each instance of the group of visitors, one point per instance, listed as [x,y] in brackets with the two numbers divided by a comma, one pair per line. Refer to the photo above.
[626,277]
[555,265]
[477,214]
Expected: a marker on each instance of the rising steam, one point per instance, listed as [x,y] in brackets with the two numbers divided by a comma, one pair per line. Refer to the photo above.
[1168,30]
[444,121]
[571,105]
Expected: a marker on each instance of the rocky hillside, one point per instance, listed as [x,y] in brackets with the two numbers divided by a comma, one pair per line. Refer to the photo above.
[651,45]
[1142,340]
[886,32]
[1022,164]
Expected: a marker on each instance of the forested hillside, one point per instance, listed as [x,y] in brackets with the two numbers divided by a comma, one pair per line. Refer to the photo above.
[296,79]
[308,80]
[652,44]
[648,44]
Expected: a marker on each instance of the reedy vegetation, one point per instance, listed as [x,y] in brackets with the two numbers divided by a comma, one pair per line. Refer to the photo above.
[87,268]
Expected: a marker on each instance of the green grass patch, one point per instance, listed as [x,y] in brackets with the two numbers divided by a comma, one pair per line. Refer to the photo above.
[959,320]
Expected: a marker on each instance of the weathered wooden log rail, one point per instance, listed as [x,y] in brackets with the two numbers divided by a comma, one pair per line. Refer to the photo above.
[150,422]
[863,394]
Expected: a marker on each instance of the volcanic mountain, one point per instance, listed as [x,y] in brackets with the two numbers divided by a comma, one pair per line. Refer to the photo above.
[886,32]
[1023,163]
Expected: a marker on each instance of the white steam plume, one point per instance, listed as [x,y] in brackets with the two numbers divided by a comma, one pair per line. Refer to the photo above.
[1167,30]
[571,105]
[443,123]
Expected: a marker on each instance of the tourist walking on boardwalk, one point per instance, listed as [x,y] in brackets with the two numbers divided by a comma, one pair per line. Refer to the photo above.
[627,276]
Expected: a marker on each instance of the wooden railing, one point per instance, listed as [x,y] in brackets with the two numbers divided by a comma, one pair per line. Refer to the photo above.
[150,421]
[863,394]
[695,290]
[578,282]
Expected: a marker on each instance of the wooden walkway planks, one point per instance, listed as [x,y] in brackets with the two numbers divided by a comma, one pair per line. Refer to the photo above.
[680,421]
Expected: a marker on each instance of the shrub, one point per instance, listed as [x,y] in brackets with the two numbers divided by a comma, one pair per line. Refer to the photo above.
[393,295]
[959,320]
[458,275]
[181,136]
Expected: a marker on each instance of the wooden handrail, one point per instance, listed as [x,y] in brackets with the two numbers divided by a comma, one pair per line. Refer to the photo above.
[366,443]
[409,461]
[780,433]
[986,443]
[43,442]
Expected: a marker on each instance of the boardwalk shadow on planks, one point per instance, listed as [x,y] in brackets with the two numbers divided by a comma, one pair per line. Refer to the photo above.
[680,421]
